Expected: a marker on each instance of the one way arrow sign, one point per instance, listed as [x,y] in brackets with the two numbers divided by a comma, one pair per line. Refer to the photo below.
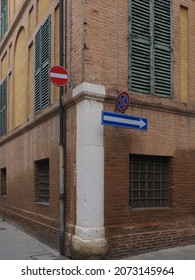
[121,120]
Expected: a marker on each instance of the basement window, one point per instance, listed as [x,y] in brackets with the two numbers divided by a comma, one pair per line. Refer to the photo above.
[42,181]
[149,181]
[3,182]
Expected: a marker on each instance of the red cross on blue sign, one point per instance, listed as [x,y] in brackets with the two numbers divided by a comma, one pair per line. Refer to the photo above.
[122,102]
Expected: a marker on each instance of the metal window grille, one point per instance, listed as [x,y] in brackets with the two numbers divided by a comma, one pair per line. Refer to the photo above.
[149,181]
[42,65]
[3,108]
[3,181]
[150,47]
[42,178]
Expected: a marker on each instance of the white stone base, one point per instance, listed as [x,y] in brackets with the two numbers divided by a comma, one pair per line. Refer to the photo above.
[89,241]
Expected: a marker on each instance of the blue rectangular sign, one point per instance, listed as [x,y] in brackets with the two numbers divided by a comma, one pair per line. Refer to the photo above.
[121,120]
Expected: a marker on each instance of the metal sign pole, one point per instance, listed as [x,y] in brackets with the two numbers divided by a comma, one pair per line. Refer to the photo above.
[61,144]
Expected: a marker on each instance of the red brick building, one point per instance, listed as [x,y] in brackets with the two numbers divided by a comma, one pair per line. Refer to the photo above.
[126,190]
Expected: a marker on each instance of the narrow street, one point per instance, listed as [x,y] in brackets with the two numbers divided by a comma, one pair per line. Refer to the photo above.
[17,245]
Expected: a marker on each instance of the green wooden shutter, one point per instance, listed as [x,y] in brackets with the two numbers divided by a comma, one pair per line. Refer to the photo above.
[3,21]
[45,60]
[38,71]
[150,52]
[3,108]
[139,46]
[163,48]
[42,65]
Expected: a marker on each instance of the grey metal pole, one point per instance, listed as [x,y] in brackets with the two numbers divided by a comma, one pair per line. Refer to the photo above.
[62,140]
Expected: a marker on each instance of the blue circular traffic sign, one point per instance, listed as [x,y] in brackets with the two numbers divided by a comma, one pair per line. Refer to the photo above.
[122,102]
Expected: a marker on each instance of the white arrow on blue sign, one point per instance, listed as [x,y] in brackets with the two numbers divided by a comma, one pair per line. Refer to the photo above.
[121,120]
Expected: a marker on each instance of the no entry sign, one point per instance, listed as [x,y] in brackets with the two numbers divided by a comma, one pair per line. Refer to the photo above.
[122,102]
[58,75]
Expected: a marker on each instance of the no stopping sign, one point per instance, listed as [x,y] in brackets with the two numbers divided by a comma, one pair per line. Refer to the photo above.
[122,102]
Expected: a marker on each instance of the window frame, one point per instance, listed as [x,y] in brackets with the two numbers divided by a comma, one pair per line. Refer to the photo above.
[149,175]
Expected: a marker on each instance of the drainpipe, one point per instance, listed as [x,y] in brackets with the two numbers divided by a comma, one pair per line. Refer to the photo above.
[62,143]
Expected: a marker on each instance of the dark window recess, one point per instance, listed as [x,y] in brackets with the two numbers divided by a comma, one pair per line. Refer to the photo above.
[42,180]
[149,181]
[3,182]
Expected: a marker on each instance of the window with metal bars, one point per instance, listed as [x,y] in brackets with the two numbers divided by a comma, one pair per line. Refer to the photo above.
[149,181]
[150,47]
[3,108]
[3,16]
[42,180]
[3,181]
[42,66]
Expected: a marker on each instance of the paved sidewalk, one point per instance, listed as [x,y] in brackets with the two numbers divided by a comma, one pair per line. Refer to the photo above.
[17,245]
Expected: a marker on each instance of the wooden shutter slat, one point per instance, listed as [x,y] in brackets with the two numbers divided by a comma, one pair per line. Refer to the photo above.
[140,46]
[42,65]
[150,47]
[162,48]
[3,108]
[3,23]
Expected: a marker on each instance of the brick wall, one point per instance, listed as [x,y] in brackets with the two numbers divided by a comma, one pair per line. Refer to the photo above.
[38,137]
[133,231]
[19,156]
[98,53]
[171,133]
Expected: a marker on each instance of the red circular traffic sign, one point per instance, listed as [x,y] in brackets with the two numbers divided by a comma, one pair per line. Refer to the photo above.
[122,102]
[58,75]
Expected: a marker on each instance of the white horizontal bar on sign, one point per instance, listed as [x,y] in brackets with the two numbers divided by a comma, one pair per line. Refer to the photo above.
[60,76]
[139,122]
